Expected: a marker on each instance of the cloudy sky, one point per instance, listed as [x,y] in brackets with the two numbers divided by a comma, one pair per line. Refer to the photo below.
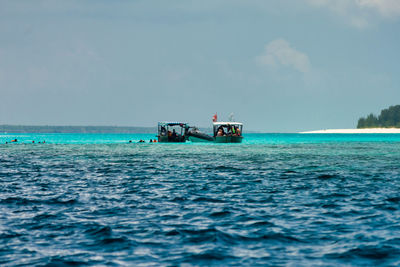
[279,66]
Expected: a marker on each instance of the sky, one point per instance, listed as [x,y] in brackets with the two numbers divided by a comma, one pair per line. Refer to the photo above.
[278,65]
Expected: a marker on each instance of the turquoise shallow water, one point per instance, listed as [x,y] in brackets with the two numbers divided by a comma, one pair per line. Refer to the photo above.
[276,199]
[249,138]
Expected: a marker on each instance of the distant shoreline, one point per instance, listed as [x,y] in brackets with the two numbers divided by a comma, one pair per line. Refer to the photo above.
[75,129]
[356,131]
[6,128]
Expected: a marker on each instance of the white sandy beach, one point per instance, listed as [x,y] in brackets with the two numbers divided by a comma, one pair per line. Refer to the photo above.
[357,131]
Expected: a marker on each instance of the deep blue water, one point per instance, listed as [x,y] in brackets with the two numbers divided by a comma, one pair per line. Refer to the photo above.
[276,199]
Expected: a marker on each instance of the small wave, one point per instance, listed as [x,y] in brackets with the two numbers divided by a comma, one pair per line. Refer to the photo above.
[28,201]
[9,235]
[209,255]
[102,237]
[63,261]
[330,206]
[115,241]
[366,252]
[200,235]
[208,199]
[60,201]
[172,233]
[326,176]
[261,223]
[393,199]
[222,168]
[277,237]
[44,217]
[179,199]
[220,214]
[19,201]
[99,230]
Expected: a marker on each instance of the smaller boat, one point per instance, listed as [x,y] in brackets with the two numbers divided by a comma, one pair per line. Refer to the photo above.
[195,135]
[228,132]
[172,132]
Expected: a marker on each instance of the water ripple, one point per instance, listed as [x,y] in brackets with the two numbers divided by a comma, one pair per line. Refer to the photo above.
[150,205]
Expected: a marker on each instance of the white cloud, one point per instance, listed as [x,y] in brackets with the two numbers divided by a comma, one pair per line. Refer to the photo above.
[280,53]
[387,8]
[359,13]
[338,6]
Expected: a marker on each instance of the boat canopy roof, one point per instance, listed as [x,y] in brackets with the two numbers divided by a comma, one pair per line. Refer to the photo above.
[227,123]
[164,123]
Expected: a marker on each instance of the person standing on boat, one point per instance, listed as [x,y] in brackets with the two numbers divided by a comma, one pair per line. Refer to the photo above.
[173,135]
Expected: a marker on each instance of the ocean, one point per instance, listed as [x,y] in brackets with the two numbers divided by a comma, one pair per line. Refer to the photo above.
[275,199]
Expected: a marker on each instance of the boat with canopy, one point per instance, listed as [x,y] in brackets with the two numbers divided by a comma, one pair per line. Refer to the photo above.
[180,132]
[227,132]
[172,132]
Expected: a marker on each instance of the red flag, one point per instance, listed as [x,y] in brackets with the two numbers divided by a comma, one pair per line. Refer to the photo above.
[214,117]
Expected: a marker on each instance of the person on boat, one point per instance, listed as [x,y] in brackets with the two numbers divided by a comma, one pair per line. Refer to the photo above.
[173,135]
[220,131]
[234,130]
[151,141]
[14,141]
[163,131]
[238,133]
[229,130]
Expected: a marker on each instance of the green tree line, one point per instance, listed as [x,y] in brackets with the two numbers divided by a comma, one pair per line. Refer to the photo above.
[388,118]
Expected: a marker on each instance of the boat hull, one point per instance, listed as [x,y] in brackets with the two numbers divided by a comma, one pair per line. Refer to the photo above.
[197,136]
[228,139]
[166,139]
[196,139]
